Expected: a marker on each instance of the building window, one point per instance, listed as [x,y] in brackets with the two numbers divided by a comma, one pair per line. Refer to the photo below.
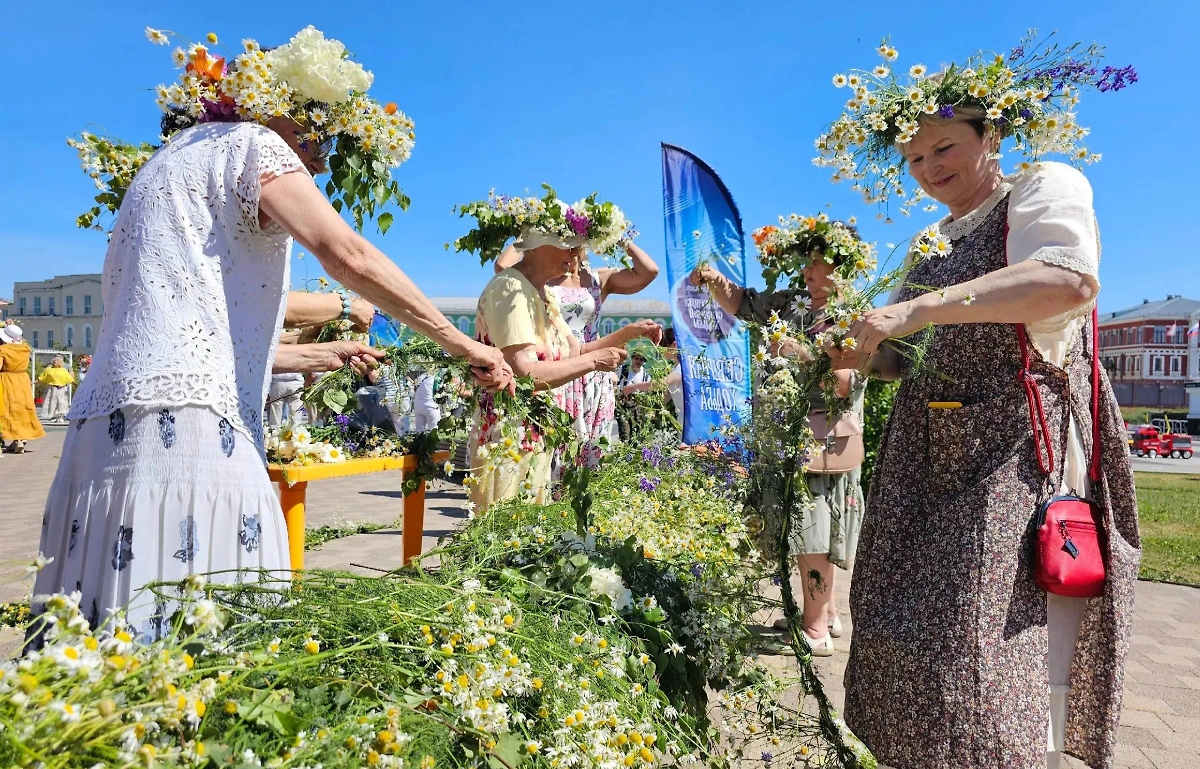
[70,336]
[1174,364]
[464,324]
[35,344]
[1160,334]
[37,305]
[607,326]
[51,305]
[70,308]
[1156,364]
[50,339]
[87,304]
[21,306]
[87,337]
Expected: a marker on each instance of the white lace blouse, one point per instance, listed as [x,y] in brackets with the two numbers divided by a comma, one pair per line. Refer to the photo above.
[193,287]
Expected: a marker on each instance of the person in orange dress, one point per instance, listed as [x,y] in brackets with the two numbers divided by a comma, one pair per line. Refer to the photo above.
[18,419]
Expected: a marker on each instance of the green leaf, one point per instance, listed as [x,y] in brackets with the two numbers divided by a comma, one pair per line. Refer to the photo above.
[337,205]
[384,222]
[336,400]
[508,752]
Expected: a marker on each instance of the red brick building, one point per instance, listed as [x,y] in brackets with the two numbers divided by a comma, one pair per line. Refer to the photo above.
[1145,351]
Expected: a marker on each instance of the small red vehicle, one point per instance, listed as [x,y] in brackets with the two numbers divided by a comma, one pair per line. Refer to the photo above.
[1147,441]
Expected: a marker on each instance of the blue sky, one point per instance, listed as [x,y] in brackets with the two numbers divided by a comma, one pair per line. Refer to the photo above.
[509,95]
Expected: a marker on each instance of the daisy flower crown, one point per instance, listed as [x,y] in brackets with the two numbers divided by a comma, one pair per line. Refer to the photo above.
[601,226]
[1030,95]
[310,79]
[785,249]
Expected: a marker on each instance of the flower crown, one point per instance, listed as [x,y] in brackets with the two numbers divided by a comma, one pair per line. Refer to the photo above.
[785,249]
[1029,95]
[311,80]
[601,226]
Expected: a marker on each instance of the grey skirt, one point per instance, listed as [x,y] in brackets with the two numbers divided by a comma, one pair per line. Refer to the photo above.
[830,526]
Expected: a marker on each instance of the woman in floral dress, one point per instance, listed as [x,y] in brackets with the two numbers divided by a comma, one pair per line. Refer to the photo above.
[959,658]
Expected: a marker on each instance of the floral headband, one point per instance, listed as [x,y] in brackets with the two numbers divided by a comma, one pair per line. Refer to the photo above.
[784,250]
[601,226]
[1028,95]
[311,80]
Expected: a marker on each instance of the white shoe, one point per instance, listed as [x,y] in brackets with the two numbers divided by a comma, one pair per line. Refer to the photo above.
[835,626]
[821,647]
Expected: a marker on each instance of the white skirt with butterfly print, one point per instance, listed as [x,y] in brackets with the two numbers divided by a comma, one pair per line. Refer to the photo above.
[149,494]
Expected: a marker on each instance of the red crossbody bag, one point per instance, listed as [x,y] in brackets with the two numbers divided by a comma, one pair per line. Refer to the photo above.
[1069,543]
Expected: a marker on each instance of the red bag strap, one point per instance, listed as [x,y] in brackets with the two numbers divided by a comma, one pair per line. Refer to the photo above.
[1037,412]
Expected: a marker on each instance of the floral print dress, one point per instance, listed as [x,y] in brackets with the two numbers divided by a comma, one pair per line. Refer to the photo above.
[949,663]
[152,493]
[590,400]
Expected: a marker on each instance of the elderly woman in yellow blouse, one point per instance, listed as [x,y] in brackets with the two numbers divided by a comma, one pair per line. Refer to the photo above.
[517,316]
[58,381]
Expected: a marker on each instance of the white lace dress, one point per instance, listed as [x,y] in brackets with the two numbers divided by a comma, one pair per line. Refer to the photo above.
[163,472]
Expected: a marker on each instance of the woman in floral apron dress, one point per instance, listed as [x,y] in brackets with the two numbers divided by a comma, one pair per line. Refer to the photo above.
[958,658]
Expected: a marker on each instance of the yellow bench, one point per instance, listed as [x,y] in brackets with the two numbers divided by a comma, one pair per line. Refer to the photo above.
[293,487]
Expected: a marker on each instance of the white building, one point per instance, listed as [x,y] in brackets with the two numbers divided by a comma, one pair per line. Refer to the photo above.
[64,311]
[616,313]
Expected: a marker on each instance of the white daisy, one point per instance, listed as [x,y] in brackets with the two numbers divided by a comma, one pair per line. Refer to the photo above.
[917,71]
[157,36]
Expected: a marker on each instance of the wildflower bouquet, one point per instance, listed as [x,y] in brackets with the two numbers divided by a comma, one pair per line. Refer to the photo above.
[1029,94]
[784,250]
[311,80]
[601,226]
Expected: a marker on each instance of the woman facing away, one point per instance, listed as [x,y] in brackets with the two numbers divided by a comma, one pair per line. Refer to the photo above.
[959,658]
[825,533]
[519,316]
[58,381]
[163,471]
[18,417]
[580,293]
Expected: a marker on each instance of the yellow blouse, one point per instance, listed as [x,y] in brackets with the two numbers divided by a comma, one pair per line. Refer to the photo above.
[56,377]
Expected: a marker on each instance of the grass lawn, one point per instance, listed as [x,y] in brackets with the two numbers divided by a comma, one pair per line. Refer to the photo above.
[1169,510]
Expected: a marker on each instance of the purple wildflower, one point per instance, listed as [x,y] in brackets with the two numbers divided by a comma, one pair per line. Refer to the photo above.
[946,112]
[652,454]
[1116,78]
[768,756]
[342,421]
[1016,53]
[579,223]
[697,570]
[775,581]
[350,447]
[1027,113]
[647,485]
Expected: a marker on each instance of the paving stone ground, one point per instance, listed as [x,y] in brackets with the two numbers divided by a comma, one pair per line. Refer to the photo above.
[1160,723]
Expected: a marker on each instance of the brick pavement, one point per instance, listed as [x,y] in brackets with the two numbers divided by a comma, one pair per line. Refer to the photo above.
[1160,723]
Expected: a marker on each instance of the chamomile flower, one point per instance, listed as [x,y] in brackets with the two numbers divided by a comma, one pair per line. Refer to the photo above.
[917,71]
[839,81]
[157,36]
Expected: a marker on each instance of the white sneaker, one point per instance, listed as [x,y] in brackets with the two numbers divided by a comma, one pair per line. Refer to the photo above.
[821,647]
